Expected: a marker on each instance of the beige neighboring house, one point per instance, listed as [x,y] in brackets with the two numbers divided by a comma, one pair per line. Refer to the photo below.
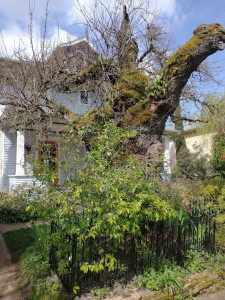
[195,140]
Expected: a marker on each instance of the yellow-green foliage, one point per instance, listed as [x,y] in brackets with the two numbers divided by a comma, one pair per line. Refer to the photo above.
[63,110]
[211,189]
[84,74]
[94,71]
[95,119]
[130,88]
[158,88]
[104,112]
[180,58]
[185,191]
[213,192]
[179,61]
[138,115]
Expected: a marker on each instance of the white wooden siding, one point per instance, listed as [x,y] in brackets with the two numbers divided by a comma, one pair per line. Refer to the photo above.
[19,180]
[1,157]
[73,103]
[9,167]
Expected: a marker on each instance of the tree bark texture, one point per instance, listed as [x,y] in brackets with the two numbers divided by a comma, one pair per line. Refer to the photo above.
[150,114]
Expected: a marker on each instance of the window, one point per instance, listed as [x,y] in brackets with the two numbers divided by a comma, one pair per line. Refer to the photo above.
[27,150]
[84,97]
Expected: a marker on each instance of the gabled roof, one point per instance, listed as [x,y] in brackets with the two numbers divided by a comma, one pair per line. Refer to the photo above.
[77,41]
[188,126]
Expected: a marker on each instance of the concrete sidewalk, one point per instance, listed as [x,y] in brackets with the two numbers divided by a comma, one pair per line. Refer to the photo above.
[10,227]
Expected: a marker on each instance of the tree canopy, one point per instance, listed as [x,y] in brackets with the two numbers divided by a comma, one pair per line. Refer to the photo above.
[132,46]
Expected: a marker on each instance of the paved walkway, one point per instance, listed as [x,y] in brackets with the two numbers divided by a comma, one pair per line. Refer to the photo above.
[9,273]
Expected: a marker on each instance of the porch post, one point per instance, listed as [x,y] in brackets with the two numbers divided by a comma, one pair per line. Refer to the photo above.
[1,157]
[20,153]
[167,155]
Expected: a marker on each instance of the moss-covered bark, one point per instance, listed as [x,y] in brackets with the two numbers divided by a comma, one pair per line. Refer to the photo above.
[164,94]
[146,107]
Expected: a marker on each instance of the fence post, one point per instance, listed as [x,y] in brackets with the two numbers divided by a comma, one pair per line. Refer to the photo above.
[179,248]
[51,260]
[214,237]
[73,265]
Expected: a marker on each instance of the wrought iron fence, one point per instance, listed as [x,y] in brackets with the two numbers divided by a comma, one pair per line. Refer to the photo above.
[132,255]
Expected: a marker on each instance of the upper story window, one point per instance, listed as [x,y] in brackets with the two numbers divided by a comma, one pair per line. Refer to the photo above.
[84,97]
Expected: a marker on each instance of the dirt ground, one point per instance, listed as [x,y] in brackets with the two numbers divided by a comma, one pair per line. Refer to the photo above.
[10,274]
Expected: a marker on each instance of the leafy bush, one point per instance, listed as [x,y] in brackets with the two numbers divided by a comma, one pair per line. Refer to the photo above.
[192,165]
[163,274]
[213,194]
[36,267]
[35,264]
[99,293]
[109,194]
[218,158]
[212,188]
[13,206]
[194,261]
[31,246]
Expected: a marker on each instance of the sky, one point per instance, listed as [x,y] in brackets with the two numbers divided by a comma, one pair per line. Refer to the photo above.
[182,17]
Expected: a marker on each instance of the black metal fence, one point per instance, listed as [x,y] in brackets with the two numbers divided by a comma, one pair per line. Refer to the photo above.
[132,255]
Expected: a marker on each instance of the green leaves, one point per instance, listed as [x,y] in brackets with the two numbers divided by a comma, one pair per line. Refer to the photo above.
[106,262]
[218,159]
[109,195]
[165,275]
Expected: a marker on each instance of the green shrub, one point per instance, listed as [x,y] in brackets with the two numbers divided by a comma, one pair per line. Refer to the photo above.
[99,293]
[163,274]
[35,264]
[212,188]
[13,206]
[31,246]
[195,261]
[110,193]
[213,194]
[192,165]
[218,158]
[49,288]
[36,267]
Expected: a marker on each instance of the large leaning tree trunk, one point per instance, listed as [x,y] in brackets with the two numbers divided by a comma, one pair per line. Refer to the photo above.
[164,93]
[145,106]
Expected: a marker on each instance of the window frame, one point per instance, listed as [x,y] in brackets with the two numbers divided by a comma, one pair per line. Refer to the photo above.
[84,97]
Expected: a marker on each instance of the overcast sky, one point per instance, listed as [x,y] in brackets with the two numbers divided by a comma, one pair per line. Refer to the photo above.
[182,15]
